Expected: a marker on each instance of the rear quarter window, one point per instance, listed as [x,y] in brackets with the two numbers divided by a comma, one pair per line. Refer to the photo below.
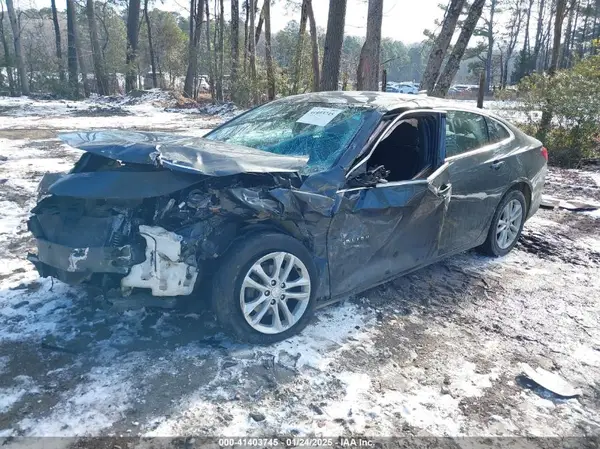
[497,131]
[465,131]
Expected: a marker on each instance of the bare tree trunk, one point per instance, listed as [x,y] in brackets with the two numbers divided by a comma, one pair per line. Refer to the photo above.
[221,51]
[81,59]
[481,91]
[252,51]
[453,63]
[97,55]
[526,43]
[299,47]
[215,54]
[524,62]
[268,56]
[133,23]
[261,20]
[246,26]
[596,28]
[490,50]
[16,30]
[440,45]
[538,35]
[558,22]
[547,113]
[334,40]
[196,18]
[72,51]
[188,85]
[7,55]
[314,39]
[584,31]
[57,40]
[501,66]
[573,35]
[235,46]
[547,41]
[211,68]
[150,45]
[367,76]
[567,46]
[514,32]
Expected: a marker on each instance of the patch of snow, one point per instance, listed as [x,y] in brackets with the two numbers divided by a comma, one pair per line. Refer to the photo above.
[143,111]
[4,360]
[6,433]
[593,213]
[595,177]
[12,217]
[310,352]
[94,405]
[12,395]
[45,312]
[313,347]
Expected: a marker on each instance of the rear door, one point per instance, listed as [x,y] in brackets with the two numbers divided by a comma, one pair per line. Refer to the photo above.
[476,148]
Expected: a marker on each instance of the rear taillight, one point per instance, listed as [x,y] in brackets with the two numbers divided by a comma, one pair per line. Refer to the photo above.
[545,153]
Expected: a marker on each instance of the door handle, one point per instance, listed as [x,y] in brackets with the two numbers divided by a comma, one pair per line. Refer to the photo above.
[496,165]
[444,189]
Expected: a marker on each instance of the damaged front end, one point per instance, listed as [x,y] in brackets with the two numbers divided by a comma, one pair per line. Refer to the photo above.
[117,244]
[134,224]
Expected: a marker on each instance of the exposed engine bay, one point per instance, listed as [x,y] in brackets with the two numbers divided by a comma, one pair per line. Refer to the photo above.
[126,226]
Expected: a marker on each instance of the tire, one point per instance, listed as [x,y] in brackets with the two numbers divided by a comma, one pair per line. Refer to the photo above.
[494,245]
[237,271]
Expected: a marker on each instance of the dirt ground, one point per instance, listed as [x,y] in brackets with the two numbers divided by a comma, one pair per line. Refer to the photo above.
[435,353]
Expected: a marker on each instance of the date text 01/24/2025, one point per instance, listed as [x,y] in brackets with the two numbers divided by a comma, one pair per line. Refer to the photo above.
[295,442]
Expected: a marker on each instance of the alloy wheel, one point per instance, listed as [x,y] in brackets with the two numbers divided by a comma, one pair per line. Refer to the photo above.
[509,224]
[275,292]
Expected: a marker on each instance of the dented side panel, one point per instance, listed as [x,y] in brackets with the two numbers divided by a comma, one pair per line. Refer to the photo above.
[381,232]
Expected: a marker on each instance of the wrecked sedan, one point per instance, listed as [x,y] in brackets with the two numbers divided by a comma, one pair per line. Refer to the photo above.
[292,205]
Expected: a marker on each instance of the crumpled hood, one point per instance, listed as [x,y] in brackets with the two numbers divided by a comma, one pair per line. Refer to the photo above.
[181,153]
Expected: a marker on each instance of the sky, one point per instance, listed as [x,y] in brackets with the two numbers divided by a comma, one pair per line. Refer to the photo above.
[403,20]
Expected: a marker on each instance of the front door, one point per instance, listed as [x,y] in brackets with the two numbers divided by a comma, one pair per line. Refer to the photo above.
[382,231]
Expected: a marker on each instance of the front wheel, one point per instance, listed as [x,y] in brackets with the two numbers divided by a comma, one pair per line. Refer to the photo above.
[264,291]
[507,225]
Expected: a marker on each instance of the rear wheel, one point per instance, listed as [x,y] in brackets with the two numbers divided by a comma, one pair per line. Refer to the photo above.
[507,225]
[264,291]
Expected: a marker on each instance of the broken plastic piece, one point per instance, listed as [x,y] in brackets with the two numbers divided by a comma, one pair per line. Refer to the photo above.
[163,271]
[550,381]
[551,202]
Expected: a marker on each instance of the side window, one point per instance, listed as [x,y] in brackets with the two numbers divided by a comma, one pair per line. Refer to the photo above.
[497,131]
[465,131]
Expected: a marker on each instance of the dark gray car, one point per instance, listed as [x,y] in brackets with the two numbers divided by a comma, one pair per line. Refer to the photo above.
[292,205]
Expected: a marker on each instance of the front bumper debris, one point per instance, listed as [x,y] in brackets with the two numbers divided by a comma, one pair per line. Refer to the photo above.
[163,271]
[78,260]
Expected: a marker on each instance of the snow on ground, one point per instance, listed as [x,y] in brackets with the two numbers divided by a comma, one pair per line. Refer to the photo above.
[437,352]
[153,109]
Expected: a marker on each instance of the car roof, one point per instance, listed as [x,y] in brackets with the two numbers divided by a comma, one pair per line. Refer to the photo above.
[383,101]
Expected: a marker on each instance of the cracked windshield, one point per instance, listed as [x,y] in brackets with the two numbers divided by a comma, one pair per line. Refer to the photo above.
[320,131]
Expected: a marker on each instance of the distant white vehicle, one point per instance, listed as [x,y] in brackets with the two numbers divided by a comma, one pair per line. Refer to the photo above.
[407,88]
[465,87]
